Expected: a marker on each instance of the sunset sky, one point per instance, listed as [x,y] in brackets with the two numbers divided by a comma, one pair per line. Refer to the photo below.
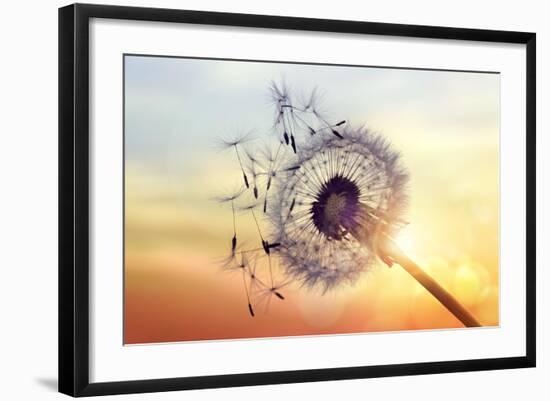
[445,125]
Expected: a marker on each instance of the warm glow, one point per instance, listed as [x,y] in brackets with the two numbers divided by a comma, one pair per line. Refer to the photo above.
[176,235]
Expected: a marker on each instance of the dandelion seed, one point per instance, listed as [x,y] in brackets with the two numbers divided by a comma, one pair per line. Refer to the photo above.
[244,265]
[336,133]
[254,167]
[265,244]
[292,205]
[233,244]
[293,143]
[279,92]
[245,178]
[263,293]
[231,199]
[235,143]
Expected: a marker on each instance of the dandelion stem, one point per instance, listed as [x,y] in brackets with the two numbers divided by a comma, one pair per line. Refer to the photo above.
[391,249]
[234,222]
[270,270]
[257,225]
[241,165]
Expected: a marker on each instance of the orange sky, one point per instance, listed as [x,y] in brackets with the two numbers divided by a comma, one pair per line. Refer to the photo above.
[176,290]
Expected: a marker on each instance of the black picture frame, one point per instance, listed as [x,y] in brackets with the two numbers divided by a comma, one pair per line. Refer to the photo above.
[74,191]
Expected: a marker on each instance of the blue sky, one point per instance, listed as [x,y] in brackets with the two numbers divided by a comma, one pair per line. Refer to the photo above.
[178,107]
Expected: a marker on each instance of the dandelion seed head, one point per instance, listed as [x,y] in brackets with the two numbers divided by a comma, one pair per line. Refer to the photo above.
[328,213]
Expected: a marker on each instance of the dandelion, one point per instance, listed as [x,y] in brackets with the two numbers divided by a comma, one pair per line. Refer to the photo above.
[331,207]
[337,196]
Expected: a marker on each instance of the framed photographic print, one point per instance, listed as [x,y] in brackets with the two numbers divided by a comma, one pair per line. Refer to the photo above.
[249,199]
